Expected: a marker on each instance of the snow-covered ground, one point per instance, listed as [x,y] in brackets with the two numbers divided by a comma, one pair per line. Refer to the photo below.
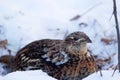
[28,75]
[23,21]
[106,75]
[39,75]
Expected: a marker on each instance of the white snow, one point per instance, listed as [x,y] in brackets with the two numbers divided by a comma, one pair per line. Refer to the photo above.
[39,75]
[27,75]
[23,21]
[106,75]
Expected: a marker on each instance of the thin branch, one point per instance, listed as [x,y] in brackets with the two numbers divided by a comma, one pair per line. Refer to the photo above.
[88,10]
[100,69]
[117,29]
[114,70]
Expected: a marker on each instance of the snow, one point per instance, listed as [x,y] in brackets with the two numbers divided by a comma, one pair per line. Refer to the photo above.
[23,21]
[27,75]
[39,75]
[106,75]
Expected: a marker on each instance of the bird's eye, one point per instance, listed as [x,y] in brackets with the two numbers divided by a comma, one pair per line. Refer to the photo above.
[75,39]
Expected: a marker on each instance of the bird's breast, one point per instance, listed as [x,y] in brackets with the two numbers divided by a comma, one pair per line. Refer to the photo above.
[78,67]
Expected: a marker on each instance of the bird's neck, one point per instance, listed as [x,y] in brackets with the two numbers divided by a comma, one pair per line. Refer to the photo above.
[83,49]
[77,50]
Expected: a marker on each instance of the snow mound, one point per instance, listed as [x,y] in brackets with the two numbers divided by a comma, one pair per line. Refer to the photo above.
[27,75]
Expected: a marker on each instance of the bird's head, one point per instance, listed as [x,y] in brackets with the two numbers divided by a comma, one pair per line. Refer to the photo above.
[77,42]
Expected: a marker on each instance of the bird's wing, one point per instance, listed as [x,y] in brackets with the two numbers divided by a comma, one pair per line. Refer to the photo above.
[56,56]
[42,51]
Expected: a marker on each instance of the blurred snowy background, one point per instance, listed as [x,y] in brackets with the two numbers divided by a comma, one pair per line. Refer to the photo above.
[23,21]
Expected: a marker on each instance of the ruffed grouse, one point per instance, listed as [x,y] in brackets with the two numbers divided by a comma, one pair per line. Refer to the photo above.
[66,59]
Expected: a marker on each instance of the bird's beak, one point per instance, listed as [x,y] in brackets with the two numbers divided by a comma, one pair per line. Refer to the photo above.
[88,40]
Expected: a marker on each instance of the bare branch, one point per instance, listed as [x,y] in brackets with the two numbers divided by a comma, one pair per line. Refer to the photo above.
[117,29]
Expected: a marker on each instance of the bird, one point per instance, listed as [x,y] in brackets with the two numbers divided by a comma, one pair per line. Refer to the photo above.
[67,59]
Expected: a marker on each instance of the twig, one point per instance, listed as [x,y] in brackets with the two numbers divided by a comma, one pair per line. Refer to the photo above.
[101,73]
[99,67]
[117,29]
[114,70]
[111,16]
[78,16]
